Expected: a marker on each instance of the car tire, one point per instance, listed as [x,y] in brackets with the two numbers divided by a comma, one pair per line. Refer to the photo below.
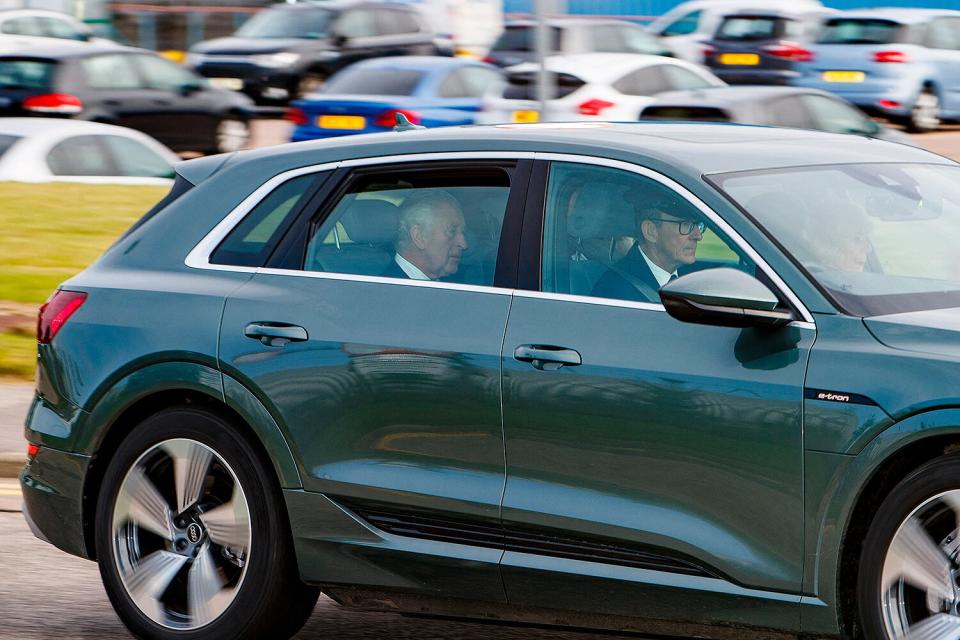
[232,134]
[192,536]
[310,82]
[908,575]
[925,113]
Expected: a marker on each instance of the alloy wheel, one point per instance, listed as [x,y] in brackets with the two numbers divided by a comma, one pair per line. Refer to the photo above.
[181,534]
[925,115]
[232,135]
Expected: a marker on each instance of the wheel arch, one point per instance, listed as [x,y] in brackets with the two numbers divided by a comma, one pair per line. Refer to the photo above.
[133,399]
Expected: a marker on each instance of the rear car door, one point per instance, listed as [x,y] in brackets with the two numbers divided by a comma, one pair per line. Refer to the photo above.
[113,91]
[387,388]
[650,463]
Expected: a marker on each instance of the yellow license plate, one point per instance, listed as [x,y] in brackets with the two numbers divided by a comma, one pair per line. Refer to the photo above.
[739,58]
[843,76]
[341,122]
[526,116]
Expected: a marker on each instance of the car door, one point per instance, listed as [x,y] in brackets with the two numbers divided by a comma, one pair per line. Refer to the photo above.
[113,91]
[388,388]
[654,467]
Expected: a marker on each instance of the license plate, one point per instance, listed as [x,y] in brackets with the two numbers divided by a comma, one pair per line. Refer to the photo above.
[526,116]
[341,122]
[739,58]
[233,84]
[843,76]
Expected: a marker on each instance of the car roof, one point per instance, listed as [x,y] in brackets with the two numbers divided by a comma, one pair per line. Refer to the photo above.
[601,67]
[418,63]
[730,95]
[57,48]
[897,14]
[692,149]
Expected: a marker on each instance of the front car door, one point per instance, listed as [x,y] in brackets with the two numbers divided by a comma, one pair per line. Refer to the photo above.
[388,388]
[650,463]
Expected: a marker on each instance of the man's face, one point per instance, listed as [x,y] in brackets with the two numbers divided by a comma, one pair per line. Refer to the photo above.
[670,248]
[442,244]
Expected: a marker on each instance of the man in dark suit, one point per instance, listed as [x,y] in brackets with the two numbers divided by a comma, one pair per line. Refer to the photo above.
[668,233]
[430,240]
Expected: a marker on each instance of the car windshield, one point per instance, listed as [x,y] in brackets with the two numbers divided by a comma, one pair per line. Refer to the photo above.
[877,238]
[747,28]
[284,23]
[858,31]
[523,38]
[384,82]
[26,74]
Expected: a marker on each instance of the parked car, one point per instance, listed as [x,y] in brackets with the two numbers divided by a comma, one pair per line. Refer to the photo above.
[769,444]
[290,50]
[366,97]
[37,150]
[903,64]
[593,86]
[763,47]
[774,106]
[689,25]
[128,87]
[517,43]
[45,24]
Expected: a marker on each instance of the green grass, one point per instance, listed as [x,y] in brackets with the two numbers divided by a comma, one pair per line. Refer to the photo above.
[50,233]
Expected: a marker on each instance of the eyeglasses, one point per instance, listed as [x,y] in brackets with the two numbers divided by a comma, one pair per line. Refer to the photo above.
[685,227]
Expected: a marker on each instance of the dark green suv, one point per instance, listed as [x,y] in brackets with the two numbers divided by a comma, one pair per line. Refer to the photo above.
[692,379]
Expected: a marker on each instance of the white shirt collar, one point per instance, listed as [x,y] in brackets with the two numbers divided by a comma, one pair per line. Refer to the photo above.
[412,271]
[662,276]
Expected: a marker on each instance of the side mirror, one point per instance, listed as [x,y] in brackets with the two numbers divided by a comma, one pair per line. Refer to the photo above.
[723,297]
[188,88]
[339,40]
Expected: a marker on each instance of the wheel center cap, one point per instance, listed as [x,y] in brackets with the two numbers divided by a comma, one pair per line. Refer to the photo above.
[194,533]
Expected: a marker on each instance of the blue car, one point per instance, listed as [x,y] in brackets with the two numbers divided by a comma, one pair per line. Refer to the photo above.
[366,97]
[903,64]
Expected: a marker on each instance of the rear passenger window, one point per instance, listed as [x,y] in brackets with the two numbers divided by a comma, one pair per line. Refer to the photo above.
[251,241]
[115,71]
[80,156]
[428,224]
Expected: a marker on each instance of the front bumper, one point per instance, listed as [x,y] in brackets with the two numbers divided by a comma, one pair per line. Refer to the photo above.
[52,485]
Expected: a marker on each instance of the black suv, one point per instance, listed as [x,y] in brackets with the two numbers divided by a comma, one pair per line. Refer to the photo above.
[288,51]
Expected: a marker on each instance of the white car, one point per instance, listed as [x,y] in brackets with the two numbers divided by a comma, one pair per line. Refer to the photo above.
[688,25]
[593,86]
[49,150]
[21,28]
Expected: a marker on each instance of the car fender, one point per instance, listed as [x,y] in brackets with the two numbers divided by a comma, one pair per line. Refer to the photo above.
[155,379]
[834,483]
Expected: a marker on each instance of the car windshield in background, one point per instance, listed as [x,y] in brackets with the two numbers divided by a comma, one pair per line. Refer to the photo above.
[744,28]
[859,31]
[26,74]
[384,82]
[879,238]
[314,23]
[524,39]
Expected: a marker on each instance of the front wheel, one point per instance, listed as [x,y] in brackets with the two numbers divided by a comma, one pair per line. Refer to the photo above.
[191,536]
[232,134]
[909,576]
[925,114]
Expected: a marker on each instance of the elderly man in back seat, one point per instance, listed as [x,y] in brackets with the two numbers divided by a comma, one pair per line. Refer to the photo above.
[430,240]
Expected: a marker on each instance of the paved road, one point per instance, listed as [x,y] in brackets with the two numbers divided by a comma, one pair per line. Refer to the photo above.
[46,594]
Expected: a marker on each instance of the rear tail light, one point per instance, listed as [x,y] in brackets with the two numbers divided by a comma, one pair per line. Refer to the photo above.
[789,51]
[889,56]
[490,60]
[53,103]
[594,107]
[889,104]
[708,52]
[296,115]
[55,312]
[389,118]
[32,450]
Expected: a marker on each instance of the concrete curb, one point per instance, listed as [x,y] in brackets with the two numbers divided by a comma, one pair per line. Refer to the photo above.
[11,464]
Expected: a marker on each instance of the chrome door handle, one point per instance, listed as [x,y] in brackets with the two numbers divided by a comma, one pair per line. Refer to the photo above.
[275,334]
[547,357]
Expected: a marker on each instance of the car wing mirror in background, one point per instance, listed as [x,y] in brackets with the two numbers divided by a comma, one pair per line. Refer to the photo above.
[190,87]
[723,297]
[338,39]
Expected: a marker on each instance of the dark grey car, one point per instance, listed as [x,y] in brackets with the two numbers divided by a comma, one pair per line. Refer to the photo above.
[774,106]
[290,50]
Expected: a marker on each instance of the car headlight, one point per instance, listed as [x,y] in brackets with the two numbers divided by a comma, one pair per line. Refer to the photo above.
[282,59]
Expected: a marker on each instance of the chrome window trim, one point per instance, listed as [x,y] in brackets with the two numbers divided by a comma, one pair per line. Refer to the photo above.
[711,215]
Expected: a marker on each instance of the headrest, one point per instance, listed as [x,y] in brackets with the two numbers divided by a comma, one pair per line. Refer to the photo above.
[371,221]
[601,209]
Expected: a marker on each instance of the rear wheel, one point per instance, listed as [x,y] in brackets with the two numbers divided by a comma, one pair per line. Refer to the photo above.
[232,134]
[191,535]
[925,114]
[910,565]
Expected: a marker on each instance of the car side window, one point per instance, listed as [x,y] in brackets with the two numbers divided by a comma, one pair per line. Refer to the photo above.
[397,21]
[835,116]
[469,82]
[682,79]
[80,156]
[164,75]
[25,26]
[250,243]
[683,25]
[643,82]
[789,112]
[357,23]
[604,227]
[111,71]
[453,86]
[425,224]
[135,159]
[942,34]
[607,38]
[60,29]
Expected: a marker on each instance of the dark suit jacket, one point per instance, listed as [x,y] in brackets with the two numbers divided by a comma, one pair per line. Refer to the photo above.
[613,285]
[393,270]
